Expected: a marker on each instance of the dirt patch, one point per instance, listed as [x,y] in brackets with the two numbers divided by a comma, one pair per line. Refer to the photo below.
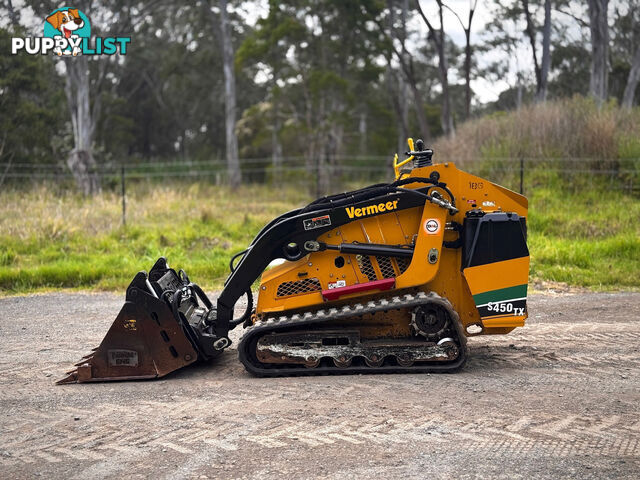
[557,398]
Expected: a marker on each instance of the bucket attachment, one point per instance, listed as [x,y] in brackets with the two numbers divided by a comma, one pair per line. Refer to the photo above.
[165,324]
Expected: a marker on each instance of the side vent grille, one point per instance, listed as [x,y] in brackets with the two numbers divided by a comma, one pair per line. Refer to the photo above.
[364,263]
[403,264]
[306,285]
[386,269]
[389,268]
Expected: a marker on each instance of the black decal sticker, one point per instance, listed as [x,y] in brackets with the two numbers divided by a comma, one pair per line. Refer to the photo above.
[317,222]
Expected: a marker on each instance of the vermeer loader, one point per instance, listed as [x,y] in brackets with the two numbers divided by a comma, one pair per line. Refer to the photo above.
[390,278]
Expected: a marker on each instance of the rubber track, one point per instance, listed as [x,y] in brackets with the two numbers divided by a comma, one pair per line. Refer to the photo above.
[312,319]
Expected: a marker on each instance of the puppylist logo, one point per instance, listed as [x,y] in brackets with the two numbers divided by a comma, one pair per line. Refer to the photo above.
[67,31]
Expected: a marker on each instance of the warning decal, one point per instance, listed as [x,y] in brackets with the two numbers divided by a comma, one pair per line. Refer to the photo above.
[432,226]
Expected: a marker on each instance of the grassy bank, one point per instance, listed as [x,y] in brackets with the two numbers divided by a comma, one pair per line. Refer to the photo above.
[568,129]
[589,238]
[49,241]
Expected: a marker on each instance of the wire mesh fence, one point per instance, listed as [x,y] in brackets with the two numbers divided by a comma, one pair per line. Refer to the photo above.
[519,174]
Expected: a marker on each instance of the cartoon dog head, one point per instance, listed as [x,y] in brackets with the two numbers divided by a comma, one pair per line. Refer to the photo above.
[66,21]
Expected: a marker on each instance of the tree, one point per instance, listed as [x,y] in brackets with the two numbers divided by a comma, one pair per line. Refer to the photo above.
[570,71]
[632,81]
[83,111]
[31,97]
[541,69]
[323,55]
[467,53]
[84,117]
[437,36]
[396,84]
[86,77]
[503,34]
[228,63]
[407,65]
[599,26]
[625,52]
[268,44]
[541,94]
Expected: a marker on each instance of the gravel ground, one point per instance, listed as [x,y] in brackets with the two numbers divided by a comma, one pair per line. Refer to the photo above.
[558,398]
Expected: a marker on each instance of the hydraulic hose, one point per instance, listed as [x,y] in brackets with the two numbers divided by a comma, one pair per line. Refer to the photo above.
[233,259]
[247,313]
[443,186]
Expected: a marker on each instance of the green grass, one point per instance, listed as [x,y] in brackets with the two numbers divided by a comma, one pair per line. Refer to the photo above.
[48,240]
[588,239]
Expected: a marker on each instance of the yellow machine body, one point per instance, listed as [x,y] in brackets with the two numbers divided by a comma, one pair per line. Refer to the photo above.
[298,285]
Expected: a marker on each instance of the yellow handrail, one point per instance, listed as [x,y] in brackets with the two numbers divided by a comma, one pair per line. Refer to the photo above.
[397,166]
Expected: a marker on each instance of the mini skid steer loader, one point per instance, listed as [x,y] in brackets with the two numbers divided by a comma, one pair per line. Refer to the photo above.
[390,278]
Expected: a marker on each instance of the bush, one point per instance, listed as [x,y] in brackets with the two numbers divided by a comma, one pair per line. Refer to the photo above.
[564,129]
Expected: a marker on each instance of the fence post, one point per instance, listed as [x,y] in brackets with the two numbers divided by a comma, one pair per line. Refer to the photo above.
[521,175]
[124,201]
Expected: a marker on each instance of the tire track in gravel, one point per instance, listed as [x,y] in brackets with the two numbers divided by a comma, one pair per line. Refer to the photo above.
[559,393]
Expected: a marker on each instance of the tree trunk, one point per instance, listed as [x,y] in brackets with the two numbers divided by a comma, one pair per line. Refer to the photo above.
[541,69]
[443,65]
[407,69]
[541,93]
[403,110]
[467,59]
[362,132]
[310,140]
[447,116]
[276,146]
[233,163]
[399,105]
[438,38]
[276,153]
[530,31]
[632,81]
[467,69]
[598,22]
[333,146]
[80,160]
[399,95]
[419,107]
[467,53]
